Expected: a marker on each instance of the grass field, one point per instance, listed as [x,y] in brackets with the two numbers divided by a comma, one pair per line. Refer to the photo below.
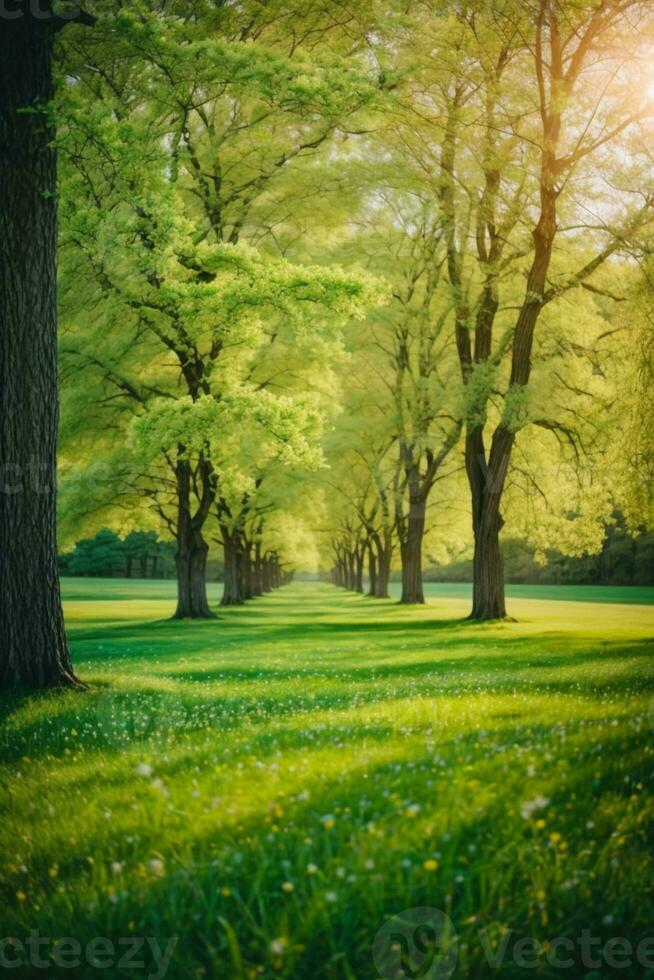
[272,788]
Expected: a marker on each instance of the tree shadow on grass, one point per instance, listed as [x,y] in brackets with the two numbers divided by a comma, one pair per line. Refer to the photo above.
[495,860]
[349,690]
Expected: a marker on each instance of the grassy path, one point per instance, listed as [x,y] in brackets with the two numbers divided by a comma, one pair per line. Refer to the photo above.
[272,787]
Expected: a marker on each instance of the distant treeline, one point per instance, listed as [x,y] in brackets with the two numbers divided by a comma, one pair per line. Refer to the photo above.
[139,555]
[624,560]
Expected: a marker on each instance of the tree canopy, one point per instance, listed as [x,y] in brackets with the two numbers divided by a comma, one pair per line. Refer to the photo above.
[357,289]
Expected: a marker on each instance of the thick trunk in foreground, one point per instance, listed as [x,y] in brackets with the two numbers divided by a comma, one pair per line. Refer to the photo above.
[411,554]
[33,643]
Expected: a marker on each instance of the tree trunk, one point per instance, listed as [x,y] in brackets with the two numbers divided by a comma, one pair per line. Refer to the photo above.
[191,554]
[359,557]
[33,644]
[247,590]
[191,561]
[486,484]
[372,569]
[257,571]
[488,575]
[411,553]
[232,595]
[266,583]
[351,571]
[384,559]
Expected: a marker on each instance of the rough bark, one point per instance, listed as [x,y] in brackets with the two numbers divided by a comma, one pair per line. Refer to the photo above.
[33,644]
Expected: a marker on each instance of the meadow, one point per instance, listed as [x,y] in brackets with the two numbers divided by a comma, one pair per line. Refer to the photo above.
[266,791]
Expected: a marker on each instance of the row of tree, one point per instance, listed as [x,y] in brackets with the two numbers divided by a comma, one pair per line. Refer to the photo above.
[509,377]
[337,284]
[199,372]
[455,153]
[625,559]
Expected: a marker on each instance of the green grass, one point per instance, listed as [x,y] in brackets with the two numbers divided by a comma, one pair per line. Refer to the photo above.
[100,589]
[272,787]
[625,594]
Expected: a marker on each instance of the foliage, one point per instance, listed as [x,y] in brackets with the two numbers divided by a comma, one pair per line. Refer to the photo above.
[624,559]
[294,254]
[139,554]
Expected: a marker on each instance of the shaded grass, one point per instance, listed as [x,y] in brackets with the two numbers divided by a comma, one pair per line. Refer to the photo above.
[214,766]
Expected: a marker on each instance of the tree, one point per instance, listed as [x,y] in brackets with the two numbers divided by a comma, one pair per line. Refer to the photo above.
[139,554]
[521,103]
[156,239]
[403,402]
[362,484]
[32,637]
[633,457]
